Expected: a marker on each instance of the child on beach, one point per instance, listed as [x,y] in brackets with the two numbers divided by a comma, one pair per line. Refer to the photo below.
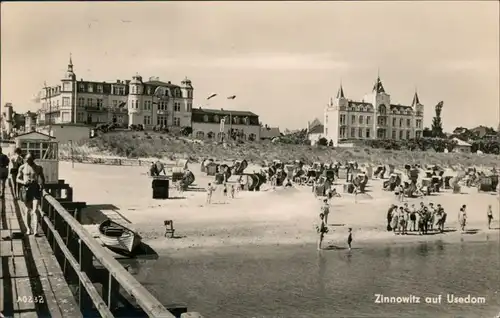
[489,214]
[462,218]
[210,191]
[349,238]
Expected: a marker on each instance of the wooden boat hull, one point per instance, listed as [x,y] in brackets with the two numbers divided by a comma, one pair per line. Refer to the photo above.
[124,244]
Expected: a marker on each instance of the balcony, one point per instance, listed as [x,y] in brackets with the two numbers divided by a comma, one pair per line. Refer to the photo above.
[162,112]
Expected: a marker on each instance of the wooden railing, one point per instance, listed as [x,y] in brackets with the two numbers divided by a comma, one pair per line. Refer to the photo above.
[76,251]
[107,161]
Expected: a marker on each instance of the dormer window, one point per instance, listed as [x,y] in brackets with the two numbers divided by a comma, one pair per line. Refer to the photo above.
[216,119]
[236,120]
[148,90]
[90,88]
[99,88]
[205,118]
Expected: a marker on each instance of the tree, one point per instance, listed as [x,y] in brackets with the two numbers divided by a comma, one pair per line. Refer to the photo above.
[437,125]
[427,133]
[323,141]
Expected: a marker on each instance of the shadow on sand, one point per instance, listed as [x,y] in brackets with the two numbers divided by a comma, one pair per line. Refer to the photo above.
[338,248]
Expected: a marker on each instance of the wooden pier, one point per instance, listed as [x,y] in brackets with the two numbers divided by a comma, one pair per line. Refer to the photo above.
[54,274]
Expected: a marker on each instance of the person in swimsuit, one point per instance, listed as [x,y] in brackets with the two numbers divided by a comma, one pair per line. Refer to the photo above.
[489,214]
[325,210]
[349,238]
[210,191]
[413,218]
[32,179]
[462,218]
[16,161]
[232,191]
[321,229]
[4,171]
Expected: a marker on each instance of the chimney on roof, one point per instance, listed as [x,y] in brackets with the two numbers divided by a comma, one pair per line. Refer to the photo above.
[169,82]
[118,81]
[222,109]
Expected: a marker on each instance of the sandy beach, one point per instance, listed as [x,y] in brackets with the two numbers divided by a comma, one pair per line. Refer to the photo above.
[283,216]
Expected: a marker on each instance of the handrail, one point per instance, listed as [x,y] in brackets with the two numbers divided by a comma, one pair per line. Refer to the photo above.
[149,304]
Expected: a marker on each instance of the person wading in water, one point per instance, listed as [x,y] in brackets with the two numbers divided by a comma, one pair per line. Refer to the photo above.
[4,171]
[321,229]
[16,161]
[32,179]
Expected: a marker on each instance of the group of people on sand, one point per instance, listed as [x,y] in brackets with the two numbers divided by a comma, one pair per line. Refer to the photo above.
[28,181]
[227,191]
[401,219]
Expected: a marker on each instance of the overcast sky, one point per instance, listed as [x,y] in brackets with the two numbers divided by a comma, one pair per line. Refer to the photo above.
[283,60]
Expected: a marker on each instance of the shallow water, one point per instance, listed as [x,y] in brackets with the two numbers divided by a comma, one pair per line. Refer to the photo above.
[297,281]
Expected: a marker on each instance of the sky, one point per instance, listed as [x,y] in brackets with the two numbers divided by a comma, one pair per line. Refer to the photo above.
[283,60]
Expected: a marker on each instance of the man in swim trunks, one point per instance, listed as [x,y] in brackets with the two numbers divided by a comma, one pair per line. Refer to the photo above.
[32,179]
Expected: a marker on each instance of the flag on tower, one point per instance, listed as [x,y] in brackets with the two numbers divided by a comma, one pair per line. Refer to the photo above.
[231,97]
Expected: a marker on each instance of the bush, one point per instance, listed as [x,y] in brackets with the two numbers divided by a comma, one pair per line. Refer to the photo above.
[323,142]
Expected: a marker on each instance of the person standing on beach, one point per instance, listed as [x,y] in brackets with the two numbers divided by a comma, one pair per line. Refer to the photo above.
[402,220]
[16,161]
[413,218]
[432,216]
[232,191]
[395,220]
[462,218]
[210,191]
[325,210]
[31,177]
[4,171]
[349,238]
[389,216]
[322,229]
[489,214]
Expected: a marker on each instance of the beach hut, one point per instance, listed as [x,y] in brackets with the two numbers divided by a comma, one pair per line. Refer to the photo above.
[44,149]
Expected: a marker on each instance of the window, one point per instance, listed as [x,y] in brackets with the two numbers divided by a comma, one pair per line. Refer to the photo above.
[408,134]
[394,122]
[177,107]
[419,123]
[342,120]
[326,131]
[115,103]
[342,132]
[89,101]
[81,87]
[161,120]
[147,120]
[163,105]
[67,86]
[353,119]
[118,90]
[361,119]
[133,89]
[100,88]
[216,119]
[189,107]
[148,90]
[326,119]
[367,133]
[205,118]
[99,103]
[400,134]
[147,105]
[200,135]
[177,121]
[40,149]
[418,134]
[136,104]
[236,120]
[65,101]
[401,122]
[79,117]
[394,134]
[408,123]
[353,132]
[90,88]
[360,132]
[368,120]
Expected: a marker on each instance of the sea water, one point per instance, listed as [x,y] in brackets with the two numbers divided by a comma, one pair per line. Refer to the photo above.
[298,281]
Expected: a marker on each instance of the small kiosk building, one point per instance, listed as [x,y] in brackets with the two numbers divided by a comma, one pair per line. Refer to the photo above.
[45,151]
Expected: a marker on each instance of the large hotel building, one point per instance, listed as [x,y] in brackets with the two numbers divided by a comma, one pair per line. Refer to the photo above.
[137,102]
[372,118]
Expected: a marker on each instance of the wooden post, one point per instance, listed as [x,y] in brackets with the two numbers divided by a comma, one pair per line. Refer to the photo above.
[110,290]
[85,261]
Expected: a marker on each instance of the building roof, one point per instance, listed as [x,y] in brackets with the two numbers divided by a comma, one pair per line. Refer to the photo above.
[319,129]
[401,107]
[416,100]
[223,112]
[160,83]
[340,93]
[378,87]
[314,123]
[269,132]
[34,134]
[461,142]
